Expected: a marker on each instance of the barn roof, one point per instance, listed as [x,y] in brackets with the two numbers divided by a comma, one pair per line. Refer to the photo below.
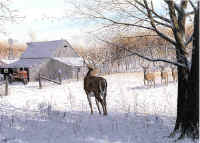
[37,52]
[44,49]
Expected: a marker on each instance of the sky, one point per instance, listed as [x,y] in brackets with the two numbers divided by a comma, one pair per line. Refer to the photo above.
[72,29]
[42,29]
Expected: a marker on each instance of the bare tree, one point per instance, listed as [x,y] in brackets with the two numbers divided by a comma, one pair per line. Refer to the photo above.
[131,15]
[7,14]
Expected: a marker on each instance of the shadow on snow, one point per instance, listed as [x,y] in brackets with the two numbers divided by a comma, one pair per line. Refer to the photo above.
[52,126]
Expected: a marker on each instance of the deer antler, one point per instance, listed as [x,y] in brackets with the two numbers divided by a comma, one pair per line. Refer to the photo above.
[89,62]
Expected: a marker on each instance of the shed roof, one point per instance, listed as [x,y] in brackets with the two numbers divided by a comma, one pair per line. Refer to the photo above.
[71,61]
[24,63]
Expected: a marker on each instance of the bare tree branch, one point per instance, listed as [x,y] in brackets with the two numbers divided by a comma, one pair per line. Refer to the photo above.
[189,13]
[189,40]
[159,16]
[137,7]
[139,36]
[122,23]
[193,6]
[152,10]
[142,56]
[177,7]
[154,26]
[156,15]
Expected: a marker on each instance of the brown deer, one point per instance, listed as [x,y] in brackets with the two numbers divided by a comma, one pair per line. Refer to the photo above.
[174,74]
[149,77]
[164,75]
[95,87]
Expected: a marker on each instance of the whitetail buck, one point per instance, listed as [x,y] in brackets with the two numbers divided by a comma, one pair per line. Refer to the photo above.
[164,75]
[95,87]
[149,77]
[174,74]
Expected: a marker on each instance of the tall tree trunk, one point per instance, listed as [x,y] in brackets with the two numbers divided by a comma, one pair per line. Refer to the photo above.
[188,91]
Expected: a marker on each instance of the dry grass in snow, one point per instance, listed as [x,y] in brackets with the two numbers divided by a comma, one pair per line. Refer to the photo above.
[60,113]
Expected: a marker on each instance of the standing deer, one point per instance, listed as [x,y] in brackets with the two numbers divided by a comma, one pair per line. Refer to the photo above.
[164,75]
[149,77]
[95,87]
[174,74]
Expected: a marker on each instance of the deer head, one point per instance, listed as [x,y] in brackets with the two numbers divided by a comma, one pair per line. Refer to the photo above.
[162,68]
[145,68]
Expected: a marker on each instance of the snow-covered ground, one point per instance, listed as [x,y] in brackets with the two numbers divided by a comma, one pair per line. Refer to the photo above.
[61,114]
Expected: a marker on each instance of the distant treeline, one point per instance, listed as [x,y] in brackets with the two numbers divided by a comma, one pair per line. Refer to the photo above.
[17,48]
[111,58]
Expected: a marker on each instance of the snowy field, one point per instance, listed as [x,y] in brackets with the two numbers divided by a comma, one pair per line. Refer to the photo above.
[61,114]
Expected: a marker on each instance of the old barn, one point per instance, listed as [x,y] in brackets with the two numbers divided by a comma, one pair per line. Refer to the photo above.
[48,58]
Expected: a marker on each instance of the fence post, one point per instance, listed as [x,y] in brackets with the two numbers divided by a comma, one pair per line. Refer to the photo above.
[6,86]
[40,83]
[59,77]
[78,70]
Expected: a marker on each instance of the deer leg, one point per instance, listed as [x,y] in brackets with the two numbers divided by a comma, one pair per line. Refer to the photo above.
[104,107]
[105,104]
[90,103]
[106,113]
[104,99]
[97,102]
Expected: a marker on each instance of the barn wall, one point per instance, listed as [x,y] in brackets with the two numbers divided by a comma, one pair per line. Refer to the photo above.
[34,70]
[52,68]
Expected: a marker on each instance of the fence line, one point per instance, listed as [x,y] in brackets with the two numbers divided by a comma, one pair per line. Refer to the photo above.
[50,80]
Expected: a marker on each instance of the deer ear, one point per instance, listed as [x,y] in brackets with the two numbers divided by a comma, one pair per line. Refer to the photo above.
[90,66]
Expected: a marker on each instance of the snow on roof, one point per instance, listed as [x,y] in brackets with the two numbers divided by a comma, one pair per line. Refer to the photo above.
[25,63]
[72,61]
[44,49]
[6,61]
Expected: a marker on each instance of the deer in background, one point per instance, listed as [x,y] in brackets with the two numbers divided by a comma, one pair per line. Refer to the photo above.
[164,75]
[149,77]
[174,74]
[95,87]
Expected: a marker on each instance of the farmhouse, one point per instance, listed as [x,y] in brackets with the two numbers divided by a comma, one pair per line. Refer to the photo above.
[48,58]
